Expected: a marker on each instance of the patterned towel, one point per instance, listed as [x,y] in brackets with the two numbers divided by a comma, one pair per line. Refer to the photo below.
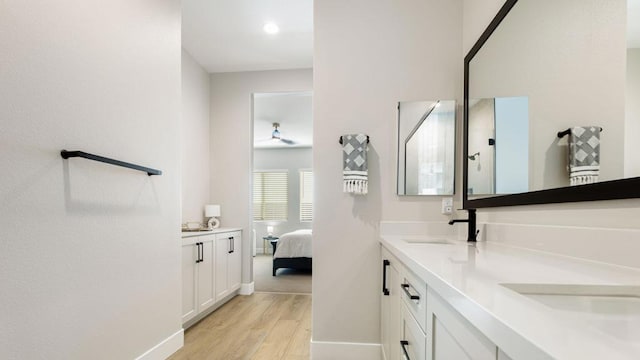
[584,155]
[355,170]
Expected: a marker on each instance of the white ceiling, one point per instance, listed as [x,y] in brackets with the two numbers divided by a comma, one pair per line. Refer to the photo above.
[227,35]
[293,110]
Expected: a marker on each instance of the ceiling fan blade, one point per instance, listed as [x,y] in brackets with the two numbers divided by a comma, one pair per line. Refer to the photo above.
[263,140]
[288,142]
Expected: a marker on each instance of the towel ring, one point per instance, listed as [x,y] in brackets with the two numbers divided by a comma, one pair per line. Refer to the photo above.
[562,134]
[340,140]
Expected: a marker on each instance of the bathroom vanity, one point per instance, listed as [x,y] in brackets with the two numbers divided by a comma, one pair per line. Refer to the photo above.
[447,299]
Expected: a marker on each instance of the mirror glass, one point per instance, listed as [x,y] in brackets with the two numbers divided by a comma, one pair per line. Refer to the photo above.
[426,147]
[552,66]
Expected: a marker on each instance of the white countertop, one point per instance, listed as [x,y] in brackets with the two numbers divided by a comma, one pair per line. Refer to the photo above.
[468,277]
[186,234]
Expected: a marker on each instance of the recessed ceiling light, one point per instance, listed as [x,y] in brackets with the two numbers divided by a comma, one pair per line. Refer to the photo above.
[271,28]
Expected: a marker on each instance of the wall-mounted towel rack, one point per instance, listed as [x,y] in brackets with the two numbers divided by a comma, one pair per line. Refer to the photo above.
[69,154]
[340,140]
[562,134]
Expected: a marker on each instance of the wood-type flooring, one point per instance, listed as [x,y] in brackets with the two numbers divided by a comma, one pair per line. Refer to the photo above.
[262,326]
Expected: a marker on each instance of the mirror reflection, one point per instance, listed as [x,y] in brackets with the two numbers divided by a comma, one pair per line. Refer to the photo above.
[556,66]
[498,168]
[426,147]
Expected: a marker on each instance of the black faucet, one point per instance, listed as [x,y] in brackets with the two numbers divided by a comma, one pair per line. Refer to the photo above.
[472,233]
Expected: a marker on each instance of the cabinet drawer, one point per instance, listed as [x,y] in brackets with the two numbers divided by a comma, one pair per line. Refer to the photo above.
[413,343]
[414,294]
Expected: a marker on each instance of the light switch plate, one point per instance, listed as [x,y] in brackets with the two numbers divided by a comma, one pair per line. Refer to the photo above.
[447,206]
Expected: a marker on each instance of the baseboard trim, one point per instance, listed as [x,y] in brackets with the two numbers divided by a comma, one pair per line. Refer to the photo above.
[247,288]
[324,350]
[165,348]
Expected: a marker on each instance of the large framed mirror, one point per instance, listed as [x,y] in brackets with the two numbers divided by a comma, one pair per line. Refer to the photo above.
[426,147]
[552,104]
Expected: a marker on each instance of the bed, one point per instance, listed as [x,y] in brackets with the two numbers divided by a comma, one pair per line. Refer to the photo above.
[293,251]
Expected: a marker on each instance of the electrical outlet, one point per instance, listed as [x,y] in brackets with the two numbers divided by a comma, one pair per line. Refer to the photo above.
[447,206]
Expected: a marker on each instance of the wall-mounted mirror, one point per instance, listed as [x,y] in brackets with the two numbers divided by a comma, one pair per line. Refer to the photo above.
[426,147]
[552,104]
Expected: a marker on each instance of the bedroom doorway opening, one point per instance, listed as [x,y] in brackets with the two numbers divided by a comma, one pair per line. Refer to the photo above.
[282,196]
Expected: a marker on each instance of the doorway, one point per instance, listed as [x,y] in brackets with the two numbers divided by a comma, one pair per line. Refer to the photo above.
[282,196]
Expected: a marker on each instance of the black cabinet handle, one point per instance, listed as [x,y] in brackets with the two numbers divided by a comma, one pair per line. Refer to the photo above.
[199,259]
[385,263]
[231,245]
[404,344]
[405,287]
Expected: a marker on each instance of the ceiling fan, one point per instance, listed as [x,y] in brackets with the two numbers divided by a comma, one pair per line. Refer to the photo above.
[277,138]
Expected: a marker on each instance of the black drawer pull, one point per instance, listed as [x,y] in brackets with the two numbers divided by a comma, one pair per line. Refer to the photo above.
[232,246]
[199,260]
[405,287]
[404,344]
[385,263]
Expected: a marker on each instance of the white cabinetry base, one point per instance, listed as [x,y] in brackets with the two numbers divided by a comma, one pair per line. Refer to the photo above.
[323,350]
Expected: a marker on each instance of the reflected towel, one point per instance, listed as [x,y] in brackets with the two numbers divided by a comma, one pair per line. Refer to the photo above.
[355,169]
[584,155]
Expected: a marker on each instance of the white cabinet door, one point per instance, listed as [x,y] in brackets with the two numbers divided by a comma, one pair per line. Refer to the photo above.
[445,346]
[413,344]
[228,266]
[206,294]
[223,246]
[234,264]
[453,337]
[502,356]
[390,307]
[189,286]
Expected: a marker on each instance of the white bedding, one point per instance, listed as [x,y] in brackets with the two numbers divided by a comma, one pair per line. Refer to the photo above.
[294,244]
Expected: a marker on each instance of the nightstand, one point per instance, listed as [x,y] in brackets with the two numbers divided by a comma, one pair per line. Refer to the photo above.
[269,238]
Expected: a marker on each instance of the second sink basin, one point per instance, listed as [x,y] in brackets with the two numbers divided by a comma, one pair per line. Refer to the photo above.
[595,299]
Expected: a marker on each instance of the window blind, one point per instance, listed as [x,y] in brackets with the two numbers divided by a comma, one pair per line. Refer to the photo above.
[306,195]
[270,195]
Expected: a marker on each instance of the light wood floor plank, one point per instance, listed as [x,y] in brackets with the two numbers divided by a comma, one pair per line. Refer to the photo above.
[275,344]
[269,326]
[299,348]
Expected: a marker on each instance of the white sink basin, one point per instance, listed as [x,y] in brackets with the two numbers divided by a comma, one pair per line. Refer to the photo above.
[593,299]
[438,241]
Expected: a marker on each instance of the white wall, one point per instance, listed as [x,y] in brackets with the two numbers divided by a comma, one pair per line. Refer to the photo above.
[89,252]
[195,139]
[367,57]
[632,122]
[614,214]
[232,143]
[293,160]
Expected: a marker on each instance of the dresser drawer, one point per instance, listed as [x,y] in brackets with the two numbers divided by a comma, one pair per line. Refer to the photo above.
[413,292]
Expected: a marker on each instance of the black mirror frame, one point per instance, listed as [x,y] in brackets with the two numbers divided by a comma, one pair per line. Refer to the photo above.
[606,190]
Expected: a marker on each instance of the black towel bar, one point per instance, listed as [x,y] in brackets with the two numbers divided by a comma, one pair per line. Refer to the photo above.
[562,134]
[69,154]
[340,140]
